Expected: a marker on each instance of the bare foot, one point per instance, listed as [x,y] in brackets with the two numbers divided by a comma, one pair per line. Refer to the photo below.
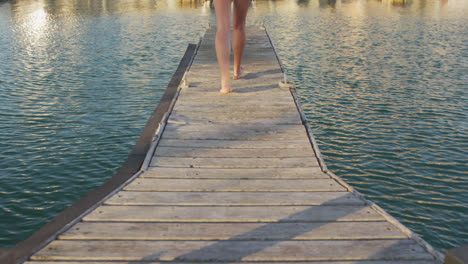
[225,87]
[225,91]
[238,74]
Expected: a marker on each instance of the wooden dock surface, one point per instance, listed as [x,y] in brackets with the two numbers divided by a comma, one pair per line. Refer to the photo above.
[234,178]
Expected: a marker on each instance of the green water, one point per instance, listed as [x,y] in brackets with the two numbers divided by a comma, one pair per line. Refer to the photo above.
[384,87]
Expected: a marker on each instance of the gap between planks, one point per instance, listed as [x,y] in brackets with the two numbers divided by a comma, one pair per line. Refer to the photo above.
[234,214]
[252,173]
[233,198]
[226,251]
[234,185]
[232,231]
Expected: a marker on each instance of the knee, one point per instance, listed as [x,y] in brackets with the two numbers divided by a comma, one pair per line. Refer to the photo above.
[239,26]
[223,31]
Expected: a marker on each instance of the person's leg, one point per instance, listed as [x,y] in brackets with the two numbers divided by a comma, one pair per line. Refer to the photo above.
[238,42]
[223,50]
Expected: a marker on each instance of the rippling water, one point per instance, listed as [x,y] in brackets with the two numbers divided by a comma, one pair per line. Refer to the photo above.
[383,85]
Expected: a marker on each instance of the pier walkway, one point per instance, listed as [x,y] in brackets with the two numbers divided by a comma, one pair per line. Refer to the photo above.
[236,178]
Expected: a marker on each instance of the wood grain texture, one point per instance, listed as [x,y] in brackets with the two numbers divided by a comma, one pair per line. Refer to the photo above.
[236,135]
[196,162]
[234,198]
[238,105]
[276,144]
[233,214]
[233,231]
[234,115]
[252,173]
[283,120]
[232,153]
[225,251]
[234,185]
[234,128]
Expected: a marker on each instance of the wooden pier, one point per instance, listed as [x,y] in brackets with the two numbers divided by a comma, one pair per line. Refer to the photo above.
[236,178]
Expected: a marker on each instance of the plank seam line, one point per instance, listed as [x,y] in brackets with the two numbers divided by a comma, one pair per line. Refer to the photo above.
[175,239]
[331,181]
[126,190]
[213,157]
[172,146]
[213,167]
[234,191]
[236,139]
[278,158]
[226,222]
[227,205]
[240,222]
[231,221]
[216,178]
[220,205]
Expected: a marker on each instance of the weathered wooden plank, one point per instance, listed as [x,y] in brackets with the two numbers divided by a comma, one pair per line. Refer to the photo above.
[235,135]
[231,153]
[212,70]
[198,90]
[285,119]
[252,67]
[266,60]
[232,104]
[234,115]
[233,231]
[195,251]
[241,89]
[234,198]
[295,144]
[226,128]
[202,108]
[257,76]
[223,120]
[196,162]
[234,185]
[262,173]
[240,106]
[210,74]
[252,83]
[258,54]
[233,214]
[235,96]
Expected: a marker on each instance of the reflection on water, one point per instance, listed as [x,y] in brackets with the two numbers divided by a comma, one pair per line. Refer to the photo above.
[383,82]
[72,8]
[69,8]
[327,3]
[395,2]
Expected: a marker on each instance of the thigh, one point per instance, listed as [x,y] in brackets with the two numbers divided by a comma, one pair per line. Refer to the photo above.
[240,12]
[223,13]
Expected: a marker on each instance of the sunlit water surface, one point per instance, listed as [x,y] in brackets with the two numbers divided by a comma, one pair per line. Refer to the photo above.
[384,87]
